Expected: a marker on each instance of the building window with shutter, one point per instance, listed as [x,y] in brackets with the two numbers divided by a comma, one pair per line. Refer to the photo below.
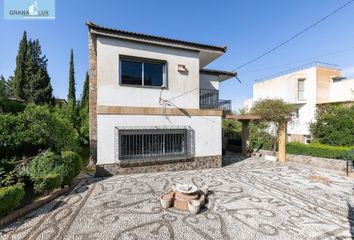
[301,89]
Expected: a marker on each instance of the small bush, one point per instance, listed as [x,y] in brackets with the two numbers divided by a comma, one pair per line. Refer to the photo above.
[48,170]
[11,198]
[47,183]
[334,125]
[71,166]
[43,164]
[318,150]
[44,172]
[11,135]
[11,106]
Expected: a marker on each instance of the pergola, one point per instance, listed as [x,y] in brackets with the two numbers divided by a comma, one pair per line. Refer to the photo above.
[245,120]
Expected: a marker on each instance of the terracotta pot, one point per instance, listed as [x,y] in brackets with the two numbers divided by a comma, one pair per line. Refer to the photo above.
[193,206]
[165,201]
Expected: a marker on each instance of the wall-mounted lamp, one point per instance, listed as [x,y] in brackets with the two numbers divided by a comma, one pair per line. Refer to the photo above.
[181,68]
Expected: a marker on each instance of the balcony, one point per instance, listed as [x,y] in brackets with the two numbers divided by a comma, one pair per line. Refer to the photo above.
[209,99]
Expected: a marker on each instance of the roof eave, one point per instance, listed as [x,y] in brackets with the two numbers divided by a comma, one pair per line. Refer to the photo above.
[151,39]
[221,75]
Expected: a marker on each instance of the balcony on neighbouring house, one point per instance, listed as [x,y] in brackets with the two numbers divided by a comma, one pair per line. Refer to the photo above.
[209,99]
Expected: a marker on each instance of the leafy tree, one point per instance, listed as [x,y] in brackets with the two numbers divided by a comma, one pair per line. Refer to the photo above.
[273,112]
[20,78]
[71,92]
[334,125]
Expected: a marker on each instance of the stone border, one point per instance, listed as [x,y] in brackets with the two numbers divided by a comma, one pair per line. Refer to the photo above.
[32,206]
[104,170]
[18,213]
[327,163]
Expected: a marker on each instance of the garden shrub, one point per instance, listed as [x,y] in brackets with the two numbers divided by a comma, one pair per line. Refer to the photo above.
[334,125]
[318,150]
[11,198]
[46,183]
[35,129]
[231,129]
[44,172]
[49,128]
[11,106]
[71,166]
[11,135]
[43,164]
[47,170]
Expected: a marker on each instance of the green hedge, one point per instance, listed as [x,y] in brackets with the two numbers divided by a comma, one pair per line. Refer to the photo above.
[49,171]
[71,165]
[11,198]
[319,150]
[11,106]
[47,183]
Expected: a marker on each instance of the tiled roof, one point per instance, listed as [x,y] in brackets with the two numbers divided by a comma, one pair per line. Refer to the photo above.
[161,40]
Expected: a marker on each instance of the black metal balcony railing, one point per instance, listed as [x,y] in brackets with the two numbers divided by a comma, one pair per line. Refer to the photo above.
[209,99]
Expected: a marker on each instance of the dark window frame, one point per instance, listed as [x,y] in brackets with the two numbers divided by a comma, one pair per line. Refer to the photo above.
[144,60]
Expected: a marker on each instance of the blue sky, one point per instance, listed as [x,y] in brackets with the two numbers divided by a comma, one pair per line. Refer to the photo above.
[248,28]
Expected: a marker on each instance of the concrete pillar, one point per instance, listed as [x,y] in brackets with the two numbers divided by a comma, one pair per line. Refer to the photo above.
[245,137]
[282,142]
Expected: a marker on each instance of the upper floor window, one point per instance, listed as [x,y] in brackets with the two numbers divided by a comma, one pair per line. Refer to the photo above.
[142,72]
[301,89]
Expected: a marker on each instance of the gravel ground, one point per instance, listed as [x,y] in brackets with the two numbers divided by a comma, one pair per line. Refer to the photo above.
[249,199]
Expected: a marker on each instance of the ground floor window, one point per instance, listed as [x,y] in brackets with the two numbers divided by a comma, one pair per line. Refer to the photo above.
[152,142]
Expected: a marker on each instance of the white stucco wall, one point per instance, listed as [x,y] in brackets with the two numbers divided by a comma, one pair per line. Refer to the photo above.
[109,92]
[342,91]
[207,81]
[207,131]
[247,104]
[285,87]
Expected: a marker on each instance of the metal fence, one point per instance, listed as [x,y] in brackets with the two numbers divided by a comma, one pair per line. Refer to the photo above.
[152,142]
[225,105]
[299,68]
[209,99]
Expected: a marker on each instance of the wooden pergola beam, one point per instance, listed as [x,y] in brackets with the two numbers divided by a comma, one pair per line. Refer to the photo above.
[242,117]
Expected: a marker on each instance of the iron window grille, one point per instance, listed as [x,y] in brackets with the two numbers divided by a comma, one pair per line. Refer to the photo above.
[153,143]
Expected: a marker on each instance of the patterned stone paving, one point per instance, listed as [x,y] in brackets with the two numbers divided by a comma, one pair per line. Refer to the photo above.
[250,199]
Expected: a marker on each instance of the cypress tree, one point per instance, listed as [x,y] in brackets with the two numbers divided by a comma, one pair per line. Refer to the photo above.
[20,78]
[71,92]
[10,86]
[3,93]
[29,70]
[39,86]
[85,92]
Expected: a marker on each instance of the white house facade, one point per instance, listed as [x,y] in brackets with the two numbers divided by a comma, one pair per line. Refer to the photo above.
[153,106]
[306,87]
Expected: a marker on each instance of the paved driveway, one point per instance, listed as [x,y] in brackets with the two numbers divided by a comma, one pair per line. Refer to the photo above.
[251,199]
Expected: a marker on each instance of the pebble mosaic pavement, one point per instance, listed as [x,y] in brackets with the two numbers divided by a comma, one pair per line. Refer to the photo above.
[250,199]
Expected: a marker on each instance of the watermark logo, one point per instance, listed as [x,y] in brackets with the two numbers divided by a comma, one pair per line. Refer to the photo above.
[29,9]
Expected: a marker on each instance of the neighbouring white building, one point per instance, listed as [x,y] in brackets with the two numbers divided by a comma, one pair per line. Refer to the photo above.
[306,87]
[153,104]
